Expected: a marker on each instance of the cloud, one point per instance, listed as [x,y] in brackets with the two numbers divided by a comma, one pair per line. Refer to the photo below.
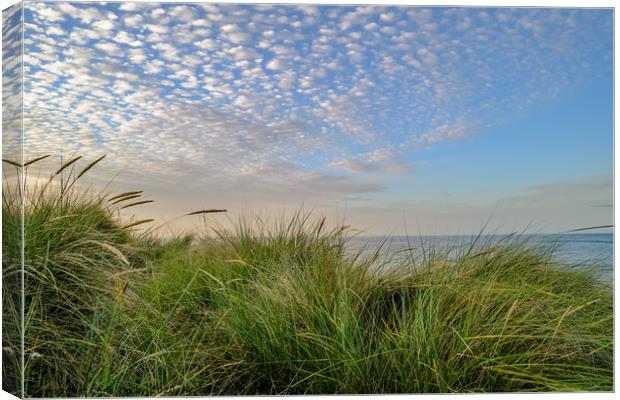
[428,58]
[182,13]
[238,37]
[133,21]
[381,161]
[109,48]
[103,25]
[55,31]
[137,56]
[157,28]
[371,168]
[207,44]
[455,130]
[125,38]
[276,65]
[243,53]
[48,13]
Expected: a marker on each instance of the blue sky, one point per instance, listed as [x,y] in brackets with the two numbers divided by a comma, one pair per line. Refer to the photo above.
[433,116]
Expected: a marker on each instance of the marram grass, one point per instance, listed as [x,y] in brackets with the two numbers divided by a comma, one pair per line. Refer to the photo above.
[283,308]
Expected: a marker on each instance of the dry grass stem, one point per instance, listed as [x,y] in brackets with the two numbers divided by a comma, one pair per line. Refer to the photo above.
[137,203]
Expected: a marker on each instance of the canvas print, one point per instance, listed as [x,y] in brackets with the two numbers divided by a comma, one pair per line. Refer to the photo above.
[261,199]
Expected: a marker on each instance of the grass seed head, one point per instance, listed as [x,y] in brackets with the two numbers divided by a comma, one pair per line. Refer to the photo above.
[124,194]
[125,198]
[12,162]
[34,160]
[208,211]
[67,164]
[137,203]
[89,166]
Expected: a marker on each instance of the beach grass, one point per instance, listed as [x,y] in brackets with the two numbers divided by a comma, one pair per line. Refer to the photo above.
[283,307]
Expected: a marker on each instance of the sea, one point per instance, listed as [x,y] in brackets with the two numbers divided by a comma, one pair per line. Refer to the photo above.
[573,250]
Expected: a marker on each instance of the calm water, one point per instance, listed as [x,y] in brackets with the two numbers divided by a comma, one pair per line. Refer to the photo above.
[570,249]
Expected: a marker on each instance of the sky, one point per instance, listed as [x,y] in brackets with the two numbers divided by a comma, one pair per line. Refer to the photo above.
[394,119]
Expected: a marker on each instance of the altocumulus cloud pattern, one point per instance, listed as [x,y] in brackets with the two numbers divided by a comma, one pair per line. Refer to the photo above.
[334,97]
